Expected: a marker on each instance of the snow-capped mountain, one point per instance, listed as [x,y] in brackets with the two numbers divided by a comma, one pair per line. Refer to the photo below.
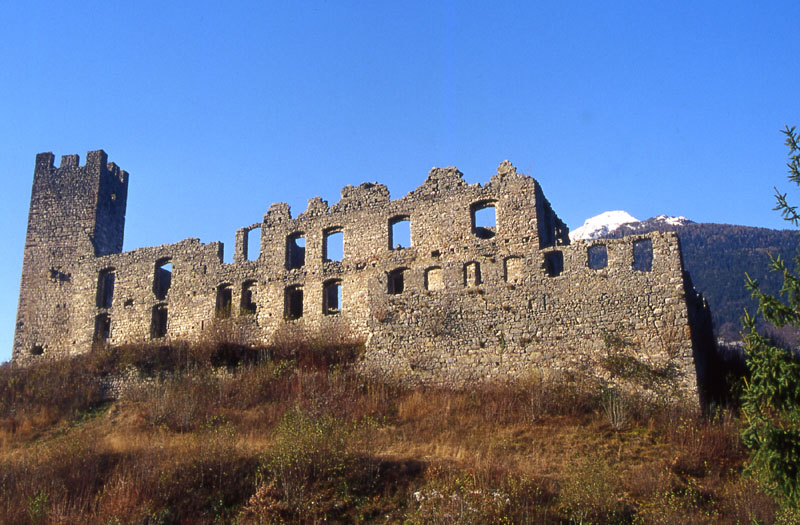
[600,225]
[620,223]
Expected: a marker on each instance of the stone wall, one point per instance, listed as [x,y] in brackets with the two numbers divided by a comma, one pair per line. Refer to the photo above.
[469,299]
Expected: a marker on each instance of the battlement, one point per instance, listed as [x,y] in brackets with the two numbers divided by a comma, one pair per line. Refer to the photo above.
[453,282]
[96,162]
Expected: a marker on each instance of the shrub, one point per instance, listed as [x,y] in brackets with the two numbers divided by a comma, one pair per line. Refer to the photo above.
[590,492]
[309,455]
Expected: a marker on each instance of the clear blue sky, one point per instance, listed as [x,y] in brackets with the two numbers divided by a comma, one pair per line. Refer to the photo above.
[216,112]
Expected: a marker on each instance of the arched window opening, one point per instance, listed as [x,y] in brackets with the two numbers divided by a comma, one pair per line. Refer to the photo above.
[163,278]
[554,263]
[295,251]
[333,244]
[332,297]
[399,232]
[252,243]
[249,295]
[293,302]
[598,256]
[37,350]
[434,279]
[105,288]
[158,326]
[102,328]
[484,219]
[396,281]
[472,274]
[512,269]
[643,255]
[224,301]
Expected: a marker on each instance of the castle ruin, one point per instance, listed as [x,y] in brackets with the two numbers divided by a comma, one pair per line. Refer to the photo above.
[485,286]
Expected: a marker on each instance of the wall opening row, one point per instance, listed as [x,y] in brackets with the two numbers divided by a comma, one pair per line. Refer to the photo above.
[106,280]
[247,303]
[434,276]
[332,247]
[158,324]
[331,299]
[484,226]
[597,256]
[513,271]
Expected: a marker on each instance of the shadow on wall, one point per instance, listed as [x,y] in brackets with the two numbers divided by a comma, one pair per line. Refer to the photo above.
[711,374]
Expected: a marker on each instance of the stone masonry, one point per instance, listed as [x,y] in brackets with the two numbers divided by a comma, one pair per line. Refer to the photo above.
[487,287]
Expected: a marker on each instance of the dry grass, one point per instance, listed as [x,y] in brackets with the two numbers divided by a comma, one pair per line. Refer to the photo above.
[296,436]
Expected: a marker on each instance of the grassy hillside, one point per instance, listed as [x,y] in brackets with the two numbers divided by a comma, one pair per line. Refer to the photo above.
[293,434]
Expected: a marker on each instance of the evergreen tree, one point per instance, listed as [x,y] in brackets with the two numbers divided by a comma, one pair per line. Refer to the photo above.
[771,399]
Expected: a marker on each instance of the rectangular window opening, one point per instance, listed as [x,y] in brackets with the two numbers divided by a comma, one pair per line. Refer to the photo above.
[102,328]
[643,255]
[332,297]
[249,291]
[333,245]
[158,327]
[472,274]
[163,278]
[293,302]
[396,282]
[295,251]
[484,219]
[224,301]
[105,288]
[252,243]
[598,256]
[400,232]
[554,263]
[512,269]
[434,279]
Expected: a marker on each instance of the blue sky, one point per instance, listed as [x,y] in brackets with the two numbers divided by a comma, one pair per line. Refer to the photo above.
[216,112]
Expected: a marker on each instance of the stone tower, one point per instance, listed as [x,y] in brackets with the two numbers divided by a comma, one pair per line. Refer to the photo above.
[76,213]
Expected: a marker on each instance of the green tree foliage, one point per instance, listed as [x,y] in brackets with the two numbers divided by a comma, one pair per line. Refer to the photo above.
[771,401]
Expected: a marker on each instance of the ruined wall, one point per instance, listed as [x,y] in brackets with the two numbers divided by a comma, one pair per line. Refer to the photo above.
[537,320]
[465,300]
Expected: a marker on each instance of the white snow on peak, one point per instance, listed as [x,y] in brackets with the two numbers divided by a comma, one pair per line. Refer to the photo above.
[676,221]
[600,225]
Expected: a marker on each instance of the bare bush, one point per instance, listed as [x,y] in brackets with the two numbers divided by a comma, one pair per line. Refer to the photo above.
[615,407]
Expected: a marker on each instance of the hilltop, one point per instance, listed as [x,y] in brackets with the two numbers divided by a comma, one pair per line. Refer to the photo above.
[293,434]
